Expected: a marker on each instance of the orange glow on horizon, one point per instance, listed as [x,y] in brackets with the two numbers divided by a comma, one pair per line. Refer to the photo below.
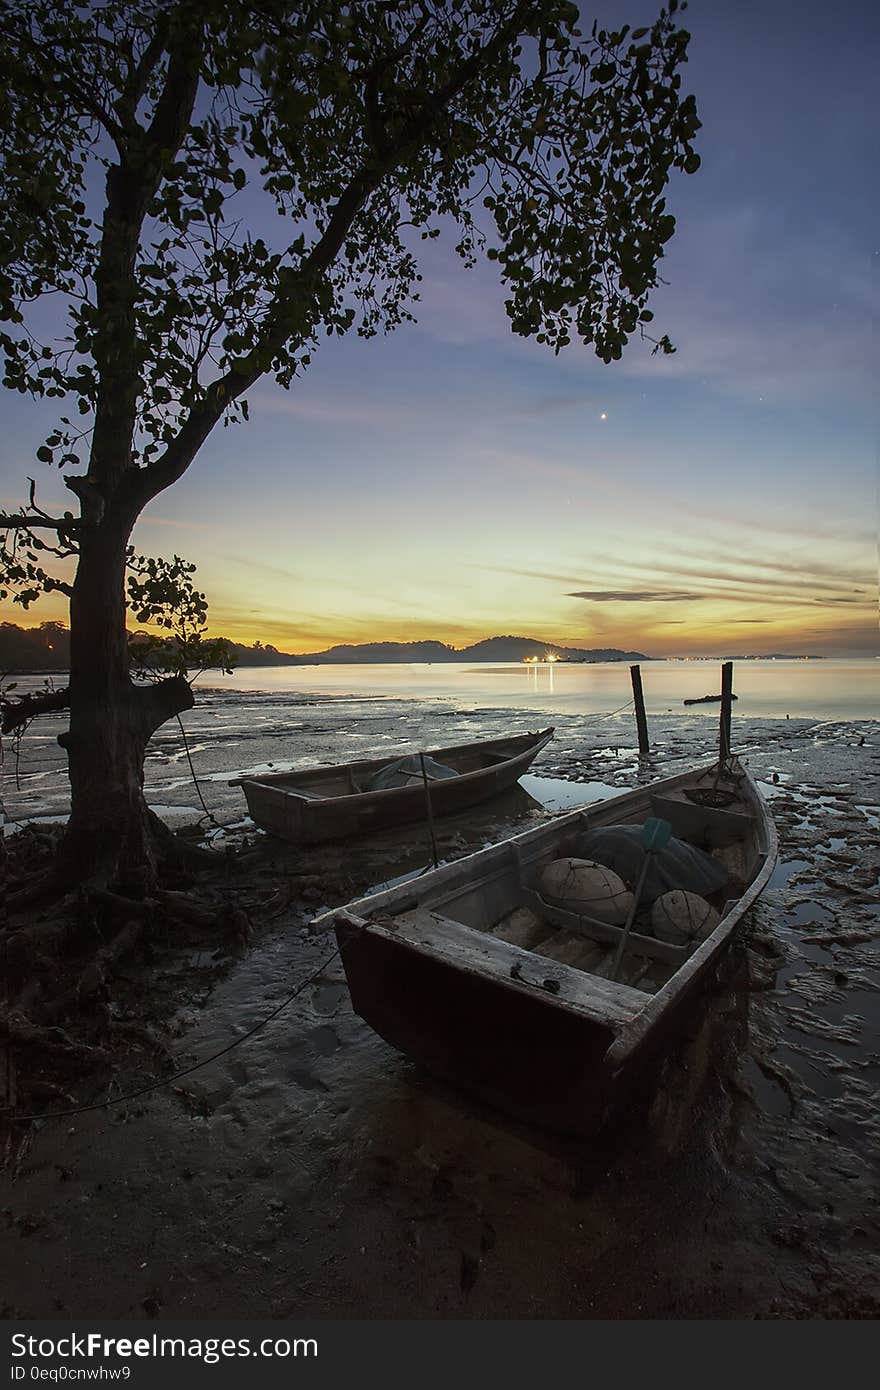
[801,630]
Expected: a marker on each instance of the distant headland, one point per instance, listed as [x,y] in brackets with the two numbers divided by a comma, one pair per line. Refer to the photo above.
[490,649]
[47,648]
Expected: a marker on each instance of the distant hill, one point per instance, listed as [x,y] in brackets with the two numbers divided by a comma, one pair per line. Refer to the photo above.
[47,648]
[43,648]
[490,649]
[518,648]
[345,654]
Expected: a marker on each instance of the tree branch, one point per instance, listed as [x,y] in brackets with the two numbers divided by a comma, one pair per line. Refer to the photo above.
[174,108]
[14,713]
[43,73]
[20,522]
[57,586]
[130,186]
[160,702]
[297,290]
[148,482]
[140,74]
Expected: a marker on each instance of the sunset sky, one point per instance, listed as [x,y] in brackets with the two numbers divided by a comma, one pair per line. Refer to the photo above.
[454,482]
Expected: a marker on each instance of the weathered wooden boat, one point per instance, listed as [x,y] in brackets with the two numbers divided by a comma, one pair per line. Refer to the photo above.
[337,803]
[533,1027]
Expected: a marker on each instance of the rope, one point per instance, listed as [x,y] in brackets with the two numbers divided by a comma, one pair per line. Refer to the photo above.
[184,1071]
[208,815]
[610,713]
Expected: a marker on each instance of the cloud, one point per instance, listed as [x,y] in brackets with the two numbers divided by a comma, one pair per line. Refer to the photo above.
[746,579]
[635,596]
[822,528]
[334,410]
[761,308]
[175,523]
[758,307]
[250,563]
[457,306]
[546,405]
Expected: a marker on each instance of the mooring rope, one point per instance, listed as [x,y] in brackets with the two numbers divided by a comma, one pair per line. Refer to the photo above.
[208,814]
[184,1071]
[628,705]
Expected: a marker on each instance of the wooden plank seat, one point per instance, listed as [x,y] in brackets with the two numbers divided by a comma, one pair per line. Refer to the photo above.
[599,1000]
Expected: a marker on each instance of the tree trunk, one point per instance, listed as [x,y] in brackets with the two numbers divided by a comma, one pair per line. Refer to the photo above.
[109,838]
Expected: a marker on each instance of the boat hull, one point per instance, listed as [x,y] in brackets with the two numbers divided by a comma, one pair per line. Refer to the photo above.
[535,1038]
[524,1056]
[280,809]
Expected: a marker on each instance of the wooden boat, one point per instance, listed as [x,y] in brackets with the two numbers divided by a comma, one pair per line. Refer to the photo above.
[539,1030]
[335,803]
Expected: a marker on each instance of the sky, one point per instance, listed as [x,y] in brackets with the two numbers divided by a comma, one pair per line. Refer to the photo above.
[451,481]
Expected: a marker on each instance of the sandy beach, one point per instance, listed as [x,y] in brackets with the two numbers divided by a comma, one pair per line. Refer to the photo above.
[315,1172]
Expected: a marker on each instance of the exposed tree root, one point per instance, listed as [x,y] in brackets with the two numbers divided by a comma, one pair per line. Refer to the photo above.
[23,948]
[94,977]
[42,867]
[71,1008]
[140,1033]
[173,852]
[117,902]
[46,888]
[97,945]
[39,1089]
[21,1030]
[181,908]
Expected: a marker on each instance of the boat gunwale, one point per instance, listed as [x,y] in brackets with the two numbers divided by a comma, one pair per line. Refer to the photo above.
[533,744]
[632,1039]
[553,829]
[633,1033]
[589,1009]
[497,861]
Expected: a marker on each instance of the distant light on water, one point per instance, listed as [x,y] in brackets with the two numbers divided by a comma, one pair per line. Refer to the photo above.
[833,688]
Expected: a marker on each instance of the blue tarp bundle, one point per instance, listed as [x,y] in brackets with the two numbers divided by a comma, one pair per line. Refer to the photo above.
[677,865]
[405,772]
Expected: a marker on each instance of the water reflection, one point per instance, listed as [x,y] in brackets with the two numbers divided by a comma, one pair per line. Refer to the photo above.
[828,689]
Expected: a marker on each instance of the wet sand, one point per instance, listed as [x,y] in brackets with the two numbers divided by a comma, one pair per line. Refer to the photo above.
[315,1172]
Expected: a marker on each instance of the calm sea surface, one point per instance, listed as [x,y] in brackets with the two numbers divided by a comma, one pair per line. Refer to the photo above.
[838,689]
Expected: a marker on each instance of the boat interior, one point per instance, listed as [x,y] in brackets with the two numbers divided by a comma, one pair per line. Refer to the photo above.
[318,783]
[504,901]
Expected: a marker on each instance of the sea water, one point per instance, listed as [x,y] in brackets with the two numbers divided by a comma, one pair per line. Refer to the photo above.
[803,689]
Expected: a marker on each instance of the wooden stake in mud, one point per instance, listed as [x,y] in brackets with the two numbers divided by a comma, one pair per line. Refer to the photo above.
[429,810]
[726,701]
[639,700]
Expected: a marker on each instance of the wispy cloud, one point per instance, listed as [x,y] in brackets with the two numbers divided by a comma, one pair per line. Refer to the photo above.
[551,405]
[254,565]
[765,309]
[635,596]
[173,523]
[305,404]
[750,581]
[756,306]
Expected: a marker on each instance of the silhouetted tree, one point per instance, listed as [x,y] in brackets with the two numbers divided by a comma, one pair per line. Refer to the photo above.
[210,188]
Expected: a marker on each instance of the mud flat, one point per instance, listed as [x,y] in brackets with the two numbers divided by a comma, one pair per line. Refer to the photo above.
[315,1172]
